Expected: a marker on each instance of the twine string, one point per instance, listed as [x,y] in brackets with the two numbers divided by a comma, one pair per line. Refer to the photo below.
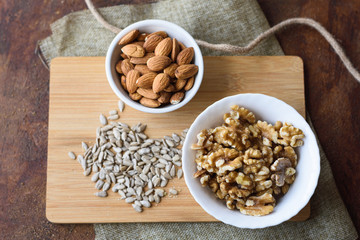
[242,50]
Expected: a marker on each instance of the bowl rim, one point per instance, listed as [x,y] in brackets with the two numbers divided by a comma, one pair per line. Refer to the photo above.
[162,23]
[290,212]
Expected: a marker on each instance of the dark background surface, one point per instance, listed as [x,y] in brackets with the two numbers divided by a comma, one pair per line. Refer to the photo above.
[332,99]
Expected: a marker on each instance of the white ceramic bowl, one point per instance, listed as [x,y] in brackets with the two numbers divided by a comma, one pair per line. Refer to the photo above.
[174,31]
[271,110]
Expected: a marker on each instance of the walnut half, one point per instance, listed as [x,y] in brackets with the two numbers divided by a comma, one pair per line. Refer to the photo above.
[290,135]
[282,172]
[258,206]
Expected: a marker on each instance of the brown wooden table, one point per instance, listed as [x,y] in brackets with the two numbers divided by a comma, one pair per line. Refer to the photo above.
[332,99]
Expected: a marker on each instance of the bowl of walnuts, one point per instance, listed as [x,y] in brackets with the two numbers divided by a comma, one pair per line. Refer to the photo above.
[251,161]
[154,66]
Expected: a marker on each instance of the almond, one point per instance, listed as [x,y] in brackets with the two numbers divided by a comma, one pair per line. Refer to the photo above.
[146,80]
[164,97]
[177,97]
[175,49]
[135,96]
[143,69]
[162,34]
[126,66]
[141,60]
[142,37]
[170,88]
[123,82]
[140,43]
[129,37]
[149,102]
[124,56]
[133,50]
[161,81]
[179,84]
[131,78]
[151,42]
[158,63]
[164,47]
[185,56]
[170,70]
[186,71]
[148,93]
[189,84]
[182,46]
[118,67]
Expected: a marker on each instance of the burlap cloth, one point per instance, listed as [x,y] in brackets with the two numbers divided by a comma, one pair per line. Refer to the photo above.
[236,22]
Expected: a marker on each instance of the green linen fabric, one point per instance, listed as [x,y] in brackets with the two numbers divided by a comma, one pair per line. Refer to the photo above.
[229,21]
[234,22]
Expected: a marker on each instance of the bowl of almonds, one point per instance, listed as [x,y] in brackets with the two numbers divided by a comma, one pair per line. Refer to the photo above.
[154,66]
[251,161]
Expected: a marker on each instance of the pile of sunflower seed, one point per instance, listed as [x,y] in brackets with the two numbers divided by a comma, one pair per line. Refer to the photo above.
[124,159]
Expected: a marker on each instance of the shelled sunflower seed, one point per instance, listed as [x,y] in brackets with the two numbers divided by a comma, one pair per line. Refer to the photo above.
[113,112]
[173,191]
[126,161]
[121,105]
[113,117]
[101,194]
[102,119]
[72,155]
[84,146]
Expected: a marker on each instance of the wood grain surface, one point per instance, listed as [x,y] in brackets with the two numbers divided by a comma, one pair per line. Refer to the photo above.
[79,92]
[332,99]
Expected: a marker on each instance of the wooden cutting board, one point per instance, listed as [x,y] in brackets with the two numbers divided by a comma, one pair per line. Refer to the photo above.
[79,92]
